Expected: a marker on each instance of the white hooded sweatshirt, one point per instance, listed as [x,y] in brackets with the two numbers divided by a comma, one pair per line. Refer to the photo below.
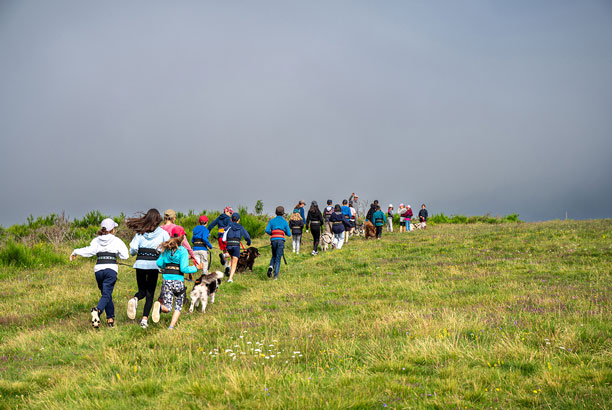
[104,243]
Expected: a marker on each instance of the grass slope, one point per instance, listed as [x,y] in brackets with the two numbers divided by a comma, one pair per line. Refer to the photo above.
[458,316]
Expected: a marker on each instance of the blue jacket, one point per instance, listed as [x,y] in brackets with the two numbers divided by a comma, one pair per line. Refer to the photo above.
[180,256]
[339,222]
[237,231]
[202,233]
[278,224]
[147,240]
[222,221]
[379,218]
[346,211]
[301,209]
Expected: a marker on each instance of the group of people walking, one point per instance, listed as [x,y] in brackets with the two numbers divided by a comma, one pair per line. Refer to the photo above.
[162,246]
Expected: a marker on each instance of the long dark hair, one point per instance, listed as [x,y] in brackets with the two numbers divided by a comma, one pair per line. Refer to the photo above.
[145,222]
[314,208]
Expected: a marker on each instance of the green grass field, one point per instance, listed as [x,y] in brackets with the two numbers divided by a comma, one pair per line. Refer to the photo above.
[515,315]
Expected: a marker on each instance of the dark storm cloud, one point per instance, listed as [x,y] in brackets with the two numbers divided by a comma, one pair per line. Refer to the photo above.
[470,107]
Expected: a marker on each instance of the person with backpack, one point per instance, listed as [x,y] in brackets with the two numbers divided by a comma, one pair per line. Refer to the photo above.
[339,225]
[201,243]
[277,228]
[314,220]
[222,222]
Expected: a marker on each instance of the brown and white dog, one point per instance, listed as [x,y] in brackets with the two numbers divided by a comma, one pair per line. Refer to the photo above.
[418,225]
[247,259]
[204,288]
[326,240]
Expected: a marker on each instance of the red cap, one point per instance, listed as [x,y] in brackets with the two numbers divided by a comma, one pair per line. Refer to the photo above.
[178,231]
[204,219]
[228,209]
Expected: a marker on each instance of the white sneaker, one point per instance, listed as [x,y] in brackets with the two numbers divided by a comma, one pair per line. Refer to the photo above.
[156,311]
[144,324]
[230,281]
[131,310]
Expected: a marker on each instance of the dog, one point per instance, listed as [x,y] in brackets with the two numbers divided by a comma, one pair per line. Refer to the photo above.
[204,288]
[358,231]
[247,259]
[418,225]
[369,229]
[326,240]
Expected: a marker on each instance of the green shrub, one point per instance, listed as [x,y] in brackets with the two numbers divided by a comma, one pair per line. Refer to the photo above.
[92,218]
[22,256]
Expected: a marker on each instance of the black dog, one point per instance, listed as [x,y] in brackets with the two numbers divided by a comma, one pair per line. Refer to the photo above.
[247,259]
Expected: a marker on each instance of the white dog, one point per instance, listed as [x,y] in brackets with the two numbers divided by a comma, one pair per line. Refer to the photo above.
[326,240]
[204,288]
[418,225]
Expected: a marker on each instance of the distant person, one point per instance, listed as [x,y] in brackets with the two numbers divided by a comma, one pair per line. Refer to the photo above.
[149,236]
[314,220]
[380,220]
[201,243]
[107,248]
[402,219]
[339,225]
[174,262]
[346,211]
[353,218]
[390,213]
[371,211]
[222,222]
[277,228]
[327,213]
[423,214]
[301,206]
[408,218]
[296,224]
[232,235]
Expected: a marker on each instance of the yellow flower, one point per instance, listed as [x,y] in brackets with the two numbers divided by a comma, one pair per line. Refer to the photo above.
[135,368]
[118,377]
[535,391]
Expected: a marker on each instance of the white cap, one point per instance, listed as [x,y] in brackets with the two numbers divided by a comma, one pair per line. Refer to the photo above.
[108,224]
[390,205]
[409,206]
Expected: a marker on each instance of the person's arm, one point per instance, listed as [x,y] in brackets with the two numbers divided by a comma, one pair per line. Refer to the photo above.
[185,268]
[213,224]
[384,217]
[122,250]
[205,236]
[160,261]
[87,251]
[286,228]
[268,230]
[246,236]
[188,247]
[134,245]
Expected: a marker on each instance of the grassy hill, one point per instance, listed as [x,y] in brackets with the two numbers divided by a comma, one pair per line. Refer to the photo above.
[512,315]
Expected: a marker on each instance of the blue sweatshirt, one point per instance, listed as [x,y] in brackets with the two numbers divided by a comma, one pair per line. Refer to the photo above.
[346,211]
[301,209]
[379,218]
[235,232]
[180,256]
[149,240]
[222,222]
[339,222]
[277,227]
[201,233]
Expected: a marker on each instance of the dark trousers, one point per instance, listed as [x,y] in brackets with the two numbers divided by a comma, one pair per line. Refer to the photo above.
[316,236]
[379,231]
[106,279]
[278,248]
[147,282]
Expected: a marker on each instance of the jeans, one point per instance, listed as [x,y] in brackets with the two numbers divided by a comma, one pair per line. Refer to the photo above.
[147,282]
[106,279]
[338,240]
[278,248]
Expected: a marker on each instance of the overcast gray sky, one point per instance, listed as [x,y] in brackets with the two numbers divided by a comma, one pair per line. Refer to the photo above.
[471,106]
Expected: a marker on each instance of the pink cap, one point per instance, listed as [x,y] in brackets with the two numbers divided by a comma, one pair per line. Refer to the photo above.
[178,231]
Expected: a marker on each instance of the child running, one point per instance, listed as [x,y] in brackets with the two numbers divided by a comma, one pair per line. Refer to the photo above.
[107,247]
[296,223]
[174,262]
[314,219]
[277,228]
[379,221]
[169,219]
[233,233]
[222,222]
[201,244]
[145,243]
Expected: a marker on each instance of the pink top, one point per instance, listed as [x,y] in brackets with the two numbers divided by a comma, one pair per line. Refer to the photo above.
[185,243]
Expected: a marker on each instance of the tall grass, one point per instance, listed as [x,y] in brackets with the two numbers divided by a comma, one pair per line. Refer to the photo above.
[13,254]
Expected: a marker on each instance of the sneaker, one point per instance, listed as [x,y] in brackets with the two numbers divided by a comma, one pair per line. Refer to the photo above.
[131,310]
[110,323]
[270,272]
[227,271]
[144,324]
[313,253]
[95,317]
[156,311]
[230,281]
[276,278]
[222,258]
